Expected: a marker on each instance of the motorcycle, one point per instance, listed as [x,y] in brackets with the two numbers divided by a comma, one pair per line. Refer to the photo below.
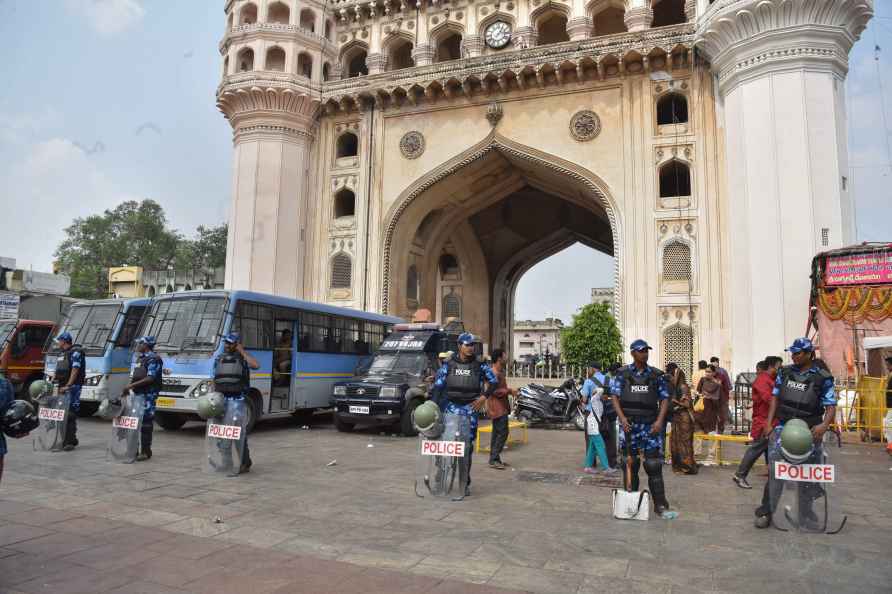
[540,404]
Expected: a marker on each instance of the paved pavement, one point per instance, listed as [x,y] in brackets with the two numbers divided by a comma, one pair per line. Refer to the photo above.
[73,522]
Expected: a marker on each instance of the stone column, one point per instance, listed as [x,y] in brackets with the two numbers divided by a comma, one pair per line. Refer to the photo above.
[579,25]
[639,18]
[781,78]
[423,54]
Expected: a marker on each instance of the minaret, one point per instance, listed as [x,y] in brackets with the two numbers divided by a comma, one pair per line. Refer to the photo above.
[274,62]
[780,66]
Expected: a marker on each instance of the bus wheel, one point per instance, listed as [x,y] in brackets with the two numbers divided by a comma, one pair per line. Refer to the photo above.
[342,426]
[88,409]
[170,421]
[406,426]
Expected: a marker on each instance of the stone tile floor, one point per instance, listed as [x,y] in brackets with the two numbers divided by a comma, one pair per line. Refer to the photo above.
[73,522]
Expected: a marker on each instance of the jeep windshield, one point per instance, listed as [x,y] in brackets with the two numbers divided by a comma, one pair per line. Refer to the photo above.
[186,324]
[387,363]
[6,329]
[90,325]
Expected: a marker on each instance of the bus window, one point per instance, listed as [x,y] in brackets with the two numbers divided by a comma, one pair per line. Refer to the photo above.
[254,323]
[314,331]
[186,324]
[131,324]
[374,335]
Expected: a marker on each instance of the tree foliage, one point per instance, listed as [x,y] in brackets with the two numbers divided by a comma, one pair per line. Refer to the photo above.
[132,234]
[593,336]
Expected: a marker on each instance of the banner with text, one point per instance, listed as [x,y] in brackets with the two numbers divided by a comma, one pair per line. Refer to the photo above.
[859,269]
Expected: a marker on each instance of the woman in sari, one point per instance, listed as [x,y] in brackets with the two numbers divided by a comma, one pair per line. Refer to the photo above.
[682,439]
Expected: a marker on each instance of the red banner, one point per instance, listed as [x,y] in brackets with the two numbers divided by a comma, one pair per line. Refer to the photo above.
[859,269]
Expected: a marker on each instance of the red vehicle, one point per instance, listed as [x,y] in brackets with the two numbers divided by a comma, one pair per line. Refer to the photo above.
[21,351]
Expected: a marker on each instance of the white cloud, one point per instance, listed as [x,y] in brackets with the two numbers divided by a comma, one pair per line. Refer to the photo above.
[20,127]
[109,17]
[53,183]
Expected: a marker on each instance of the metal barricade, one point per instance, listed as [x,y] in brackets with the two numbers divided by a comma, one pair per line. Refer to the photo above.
[861,407]
[742,403]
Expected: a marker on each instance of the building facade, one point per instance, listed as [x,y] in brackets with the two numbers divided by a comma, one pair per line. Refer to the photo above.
[603,295]
[536,338]
[391,155]
[132,281]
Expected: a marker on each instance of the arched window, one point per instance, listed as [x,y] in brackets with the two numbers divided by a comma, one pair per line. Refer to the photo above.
[449,265]
[399,55]
[348,145]
[275,59]
[308,20]
[451,306]
[669,12]
[412,283]
[609,21]
[246,60]
[150,292]
[328,29]
[344,204]
[449,48]
[675,180]
[341,271]
[354,63]
[248,15]
[672,108]
[305,65]
[278,12]
[552,28]
[676,261]
[678,347]
[326,71]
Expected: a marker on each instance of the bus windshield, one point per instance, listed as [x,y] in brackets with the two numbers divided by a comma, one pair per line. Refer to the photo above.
[91,325]
[413,363]
[186,323]
[6,329]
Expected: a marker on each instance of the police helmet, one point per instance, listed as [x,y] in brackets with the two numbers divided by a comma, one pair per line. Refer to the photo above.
[40,388]
[19,419]
[801,345]
[149,341]
[211,406]
[796,441]
[65,337]
[466,338]
[427,420]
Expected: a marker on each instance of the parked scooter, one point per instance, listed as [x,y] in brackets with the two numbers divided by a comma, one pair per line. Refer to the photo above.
[540,404]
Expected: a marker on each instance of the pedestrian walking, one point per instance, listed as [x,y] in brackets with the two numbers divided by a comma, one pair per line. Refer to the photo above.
[593,393]
[709,389]
[724,413]
[69,377]
[592,388]
[609,423]
[641,398]
[682,438]
[497,408]
[762,388]
[146,380]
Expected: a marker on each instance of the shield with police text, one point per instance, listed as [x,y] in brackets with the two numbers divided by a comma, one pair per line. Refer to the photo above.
[799,490]
[124,443]
[52,410]
[444,462]
[226,437]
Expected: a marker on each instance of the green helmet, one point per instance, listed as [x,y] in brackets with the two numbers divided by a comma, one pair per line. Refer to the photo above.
[796,440]
[426,417]
[109,409]
[211,405]
[40,388]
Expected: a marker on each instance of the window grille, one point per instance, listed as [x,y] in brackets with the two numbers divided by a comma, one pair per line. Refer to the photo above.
[825,236]
[452,306]
[676,262]
[341,272]
[678,348]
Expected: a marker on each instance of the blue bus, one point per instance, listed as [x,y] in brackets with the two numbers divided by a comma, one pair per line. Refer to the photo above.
[105,329]
[302,348]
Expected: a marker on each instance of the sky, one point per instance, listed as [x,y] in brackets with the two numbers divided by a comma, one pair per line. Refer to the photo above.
[112,100]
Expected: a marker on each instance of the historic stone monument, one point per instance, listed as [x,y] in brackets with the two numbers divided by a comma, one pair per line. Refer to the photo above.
[397,154]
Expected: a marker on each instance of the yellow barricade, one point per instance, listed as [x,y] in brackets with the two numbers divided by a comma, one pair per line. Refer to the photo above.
[864,408]
[718,440]
[517,434]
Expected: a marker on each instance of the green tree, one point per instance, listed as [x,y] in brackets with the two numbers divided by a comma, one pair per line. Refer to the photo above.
[207,250]
[134,233]
[593,336]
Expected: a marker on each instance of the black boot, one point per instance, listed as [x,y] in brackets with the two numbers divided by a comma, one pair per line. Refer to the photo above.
[653,465]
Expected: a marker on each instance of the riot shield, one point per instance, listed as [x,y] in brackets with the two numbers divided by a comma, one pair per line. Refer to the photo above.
[799,491]
[53,414]
[444,461]
[226,437]
[124,443]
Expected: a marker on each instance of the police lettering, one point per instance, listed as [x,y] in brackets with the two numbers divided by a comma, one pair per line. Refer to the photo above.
[639,388]
[797,385]
[811,473]
[51,414]
[454,449]
[233,432]
[125,422]
[466,372]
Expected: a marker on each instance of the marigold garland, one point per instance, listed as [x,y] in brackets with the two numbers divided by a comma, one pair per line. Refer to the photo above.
[856,304]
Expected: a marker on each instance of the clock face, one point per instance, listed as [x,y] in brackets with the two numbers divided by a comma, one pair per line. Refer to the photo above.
[498,35]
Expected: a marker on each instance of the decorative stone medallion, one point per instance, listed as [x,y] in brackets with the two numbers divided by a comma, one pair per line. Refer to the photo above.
[412,144]
[585,125]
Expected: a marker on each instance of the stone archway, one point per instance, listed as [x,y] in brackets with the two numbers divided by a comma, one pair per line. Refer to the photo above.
[505,207]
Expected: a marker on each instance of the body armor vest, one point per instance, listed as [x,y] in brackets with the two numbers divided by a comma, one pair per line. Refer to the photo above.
[231,374]
[64,368]
[142,371]
[640,397]
[800,396]
[463,381]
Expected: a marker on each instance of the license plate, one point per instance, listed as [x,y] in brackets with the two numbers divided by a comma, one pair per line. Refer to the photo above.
[359,410]
[165,402]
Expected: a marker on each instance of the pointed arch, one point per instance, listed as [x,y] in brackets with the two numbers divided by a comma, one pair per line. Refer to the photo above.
[353,59]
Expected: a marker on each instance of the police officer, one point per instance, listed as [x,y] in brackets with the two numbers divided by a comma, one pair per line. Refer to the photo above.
[146,380]
[462,386]
[641,401]
[69,376]
[7,397]
[232,378]
[801,391]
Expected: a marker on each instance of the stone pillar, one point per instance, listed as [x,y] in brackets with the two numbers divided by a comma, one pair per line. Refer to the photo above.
[781,78]
[423,54]
[579,28]
[375,63]
[639,18]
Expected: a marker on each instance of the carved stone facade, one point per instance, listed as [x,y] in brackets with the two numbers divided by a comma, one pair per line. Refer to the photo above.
[429,153]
